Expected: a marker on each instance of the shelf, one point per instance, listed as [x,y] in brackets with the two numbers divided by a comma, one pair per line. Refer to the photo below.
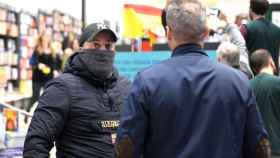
[11,97]
[9,37]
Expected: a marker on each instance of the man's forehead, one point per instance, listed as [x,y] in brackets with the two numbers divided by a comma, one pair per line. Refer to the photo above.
[104,34]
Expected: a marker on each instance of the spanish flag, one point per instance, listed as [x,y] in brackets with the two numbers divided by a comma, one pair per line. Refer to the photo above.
[139,19]
[142,16]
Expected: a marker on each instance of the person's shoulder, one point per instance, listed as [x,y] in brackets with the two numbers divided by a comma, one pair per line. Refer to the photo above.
[67,79]
[270,81]
[230,73]
[158,70]
[253,82]
[273,79]
[252,23]
[66,76]
[274,26]
[123,80]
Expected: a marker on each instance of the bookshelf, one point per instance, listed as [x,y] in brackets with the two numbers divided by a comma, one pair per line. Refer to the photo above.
[28,37]
[9,49]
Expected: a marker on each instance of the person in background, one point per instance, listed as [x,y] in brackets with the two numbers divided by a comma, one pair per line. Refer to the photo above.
[42,63]
[79,111]
[228,54]
[190,105]
[260,33]
[57,53]
[71,47]
[241,19]
[236,38]
[267,90]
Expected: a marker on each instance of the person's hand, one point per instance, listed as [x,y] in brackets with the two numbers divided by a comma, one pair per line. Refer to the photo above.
[222,16]
[263,149]
[41,66]
[55,73]
[44,68]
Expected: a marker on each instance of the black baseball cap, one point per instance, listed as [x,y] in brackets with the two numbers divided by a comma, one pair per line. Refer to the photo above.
[92,30]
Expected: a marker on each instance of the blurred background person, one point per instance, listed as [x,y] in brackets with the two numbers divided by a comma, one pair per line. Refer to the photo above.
[228,54]
[261,33]
[69,46]
[57,54]
[235,37]
[42,62]
[241,19]
[267,90]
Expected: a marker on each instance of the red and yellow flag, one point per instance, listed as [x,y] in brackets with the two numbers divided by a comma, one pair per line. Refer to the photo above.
[139,19]
[142,16]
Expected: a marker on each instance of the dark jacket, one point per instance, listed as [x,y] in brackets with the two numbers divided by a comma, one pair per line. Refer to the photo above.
[267,91]
[190,106]
[79,112]
[37,74]
[263,34]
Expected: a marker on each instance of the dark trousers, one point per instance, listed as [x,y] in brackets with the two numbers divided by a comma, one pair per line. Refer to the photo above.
[36,88]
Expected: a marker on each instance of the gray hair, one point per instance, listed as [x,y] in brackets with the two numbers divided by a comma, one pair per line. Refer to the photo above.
[187,20]
[229,54]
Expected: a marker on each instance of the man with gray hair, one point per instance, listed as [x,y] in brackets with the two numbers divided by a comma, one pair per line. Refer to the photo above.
[190,106]
[228,54]
[236,39]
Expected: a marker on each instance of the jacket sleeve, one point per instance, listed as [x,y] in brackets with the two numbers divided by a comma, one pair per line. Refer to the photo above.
[34,59]
[133,126]
[57,63]
[48,120]
[255,132]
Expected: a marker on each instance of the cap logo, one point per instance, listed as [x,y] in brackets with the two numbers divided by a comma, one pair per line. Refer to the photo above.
[101,26]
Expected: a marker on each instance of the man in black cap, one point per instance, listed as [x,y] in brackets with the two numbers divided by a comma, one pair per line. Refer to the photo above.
[80,109]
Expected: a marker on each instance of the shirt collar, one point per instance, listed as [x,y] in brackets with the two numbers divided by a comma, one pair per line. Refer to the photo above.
[187,49]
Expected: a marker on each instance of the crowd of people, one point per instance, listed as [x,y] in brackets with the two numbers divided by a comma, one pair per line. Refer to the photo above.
[185,106]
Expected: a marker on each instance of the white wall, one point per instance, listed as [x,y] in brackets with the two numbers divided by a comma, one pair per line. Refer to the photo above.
[274,1]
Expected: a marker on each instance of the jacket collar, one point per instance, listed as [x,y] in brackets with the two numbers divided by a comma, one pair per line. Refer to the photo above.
[189,48]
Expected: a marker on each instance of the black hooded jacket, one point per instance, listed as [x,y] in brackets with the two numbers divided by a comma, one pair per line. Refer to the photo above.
[79,112]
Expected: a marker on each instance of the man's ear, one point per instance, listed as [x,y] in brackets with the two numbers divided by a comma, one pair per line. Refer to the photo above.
[206,33]
[272,65]
[169,33]
[86,45]
[219,59]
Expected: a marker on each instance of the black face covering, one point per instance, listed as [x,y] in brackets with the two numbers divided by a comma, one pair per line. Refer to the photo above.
[98,62]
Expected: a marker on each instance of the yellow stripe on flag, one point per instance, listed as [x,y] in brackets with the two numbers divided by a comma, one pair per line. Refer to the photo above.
[133,26]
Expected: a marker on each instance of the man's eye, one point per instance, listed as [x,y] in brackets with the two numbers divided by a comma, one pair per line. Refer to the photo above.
[97,45]
[108,46]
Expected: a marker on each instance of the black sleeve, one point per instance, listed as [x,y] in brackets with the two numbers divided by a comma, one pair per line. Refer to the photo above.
[57,65]
[34,59]
[254,129]
[48,121]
